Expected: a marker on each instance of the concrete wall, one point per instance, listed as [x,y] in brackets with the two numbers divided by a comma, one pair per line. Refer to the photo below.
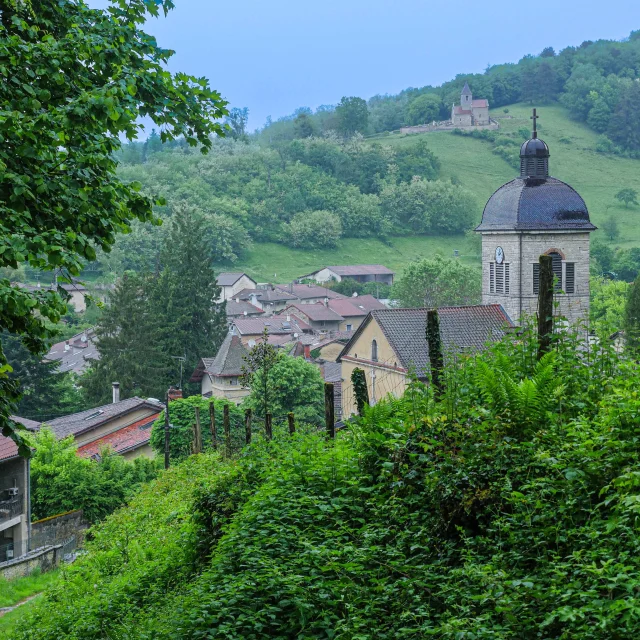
[15,530]
[222,388]
[574,246]
[428,128]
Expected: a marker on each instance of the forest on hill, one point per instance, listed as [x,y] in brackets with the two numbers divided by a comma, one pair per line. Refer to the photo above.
[333,181]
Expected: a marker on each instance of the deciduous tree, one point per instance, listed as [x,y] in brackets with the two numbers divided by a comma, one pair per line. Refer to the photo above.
[73,82]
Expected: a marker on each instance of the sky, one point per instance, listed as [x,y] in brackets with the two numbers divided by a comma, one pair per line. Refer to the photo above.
[275,56]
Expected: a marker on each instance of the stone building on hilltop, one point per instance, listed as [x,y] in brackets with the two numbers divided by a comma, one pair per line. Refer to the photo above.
[533,215]
[470,112]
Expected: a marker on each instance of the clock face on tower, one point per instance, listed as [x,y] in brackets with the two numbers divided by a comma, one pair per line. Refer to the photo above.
[499,255]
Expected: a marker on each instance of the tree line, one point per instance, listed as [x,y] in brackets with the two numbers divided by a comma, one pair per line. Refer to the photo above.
[596,81]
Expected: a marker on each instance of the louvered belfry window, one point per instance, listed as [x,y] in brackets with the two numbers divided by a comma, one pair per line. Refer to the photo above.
[499,281]
[569,284]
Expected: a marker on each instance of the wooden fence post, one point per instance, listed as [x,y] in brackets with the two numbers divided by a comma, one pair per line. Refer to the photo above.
[329,410]
[247,426]
[268,431]
[545,305]
[166,433]
[227,429]
[212,425]
[436,359]
[292,423]
[198,428]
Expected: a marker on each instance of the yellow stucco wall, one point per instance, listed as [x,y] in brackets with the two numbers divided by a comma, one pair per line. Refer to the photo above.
[388,379]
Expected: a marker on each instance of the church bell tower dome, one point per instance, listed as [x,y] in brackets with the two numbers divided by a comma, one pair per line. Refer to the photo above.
[532,215]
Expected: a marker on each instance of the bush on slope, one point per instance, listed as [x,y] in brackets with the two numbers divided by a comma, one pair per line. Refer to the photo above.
[506,510]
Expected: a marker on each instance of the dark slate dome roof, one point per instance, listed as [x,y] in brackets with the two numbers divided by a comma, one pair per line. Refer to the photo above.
[534,147]
[545,204]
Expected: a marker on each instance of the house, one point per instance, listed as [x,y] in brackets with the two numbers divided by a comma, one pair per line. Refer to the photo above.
[237,308]
[309,293]
[15,516]
[124,424]
[317,316]
[267,298]
[357,272]
[354,310]
[470,112]
[76,353]
[280,329]
[391,343]
[232,282]
[219,377]
[75,291]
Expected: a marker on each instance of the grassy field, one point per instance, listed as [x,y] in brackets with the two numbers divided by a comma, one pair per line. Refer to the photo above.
[595,176]
[270,262]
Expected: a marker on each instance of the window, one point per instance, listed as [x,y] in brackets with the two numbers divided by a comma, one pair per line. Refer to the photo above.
[499,278]
[569,284]
[374,351]
[570,277]
[349,327]
[233,381]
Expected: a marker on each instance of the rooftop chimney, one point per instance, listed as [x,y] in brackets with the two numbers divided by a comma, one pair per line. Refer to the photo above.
[326,302]
[115,386]
[307,352]
[174,394]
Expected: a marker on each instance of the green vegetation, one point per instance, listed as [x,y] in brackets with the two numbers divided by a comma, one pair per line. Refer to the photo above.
[11,622]
[505,508]
[62,481]
[438,283]
[73,82]
[14,591]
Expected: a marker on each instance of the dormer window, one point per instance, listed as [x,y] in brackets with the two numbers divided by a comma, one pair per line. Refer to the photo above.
[374,350]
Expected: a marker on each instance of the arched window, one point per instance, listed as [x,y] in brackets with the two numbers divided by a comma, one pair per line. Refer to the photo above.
[374,350]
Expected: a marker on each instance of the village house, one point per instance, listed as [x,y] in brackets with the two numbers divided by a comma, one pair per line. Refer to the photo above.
[219,377]
[15,516]
[266,298]
[470,112]
[318,316]
[75,291]
[123,425]
[280,329]
[391,343]
[75,354]
[354,310]
[358,272]
[309,293]
[232,282]
[237,308]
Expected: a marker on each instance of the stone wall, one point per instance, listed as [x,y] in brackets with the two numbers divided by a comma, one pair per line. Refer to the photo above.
[449,126]
[574,247]
[57,529]
[44,560]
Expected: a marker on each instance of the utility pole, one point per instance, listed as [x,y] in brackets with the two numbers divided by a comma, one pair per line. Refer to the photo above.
[166,433]
[182,360]
[329,410]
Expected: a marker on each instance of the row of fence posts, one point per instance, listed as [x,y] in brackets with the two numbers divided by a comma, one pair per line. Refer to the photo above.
[329,414]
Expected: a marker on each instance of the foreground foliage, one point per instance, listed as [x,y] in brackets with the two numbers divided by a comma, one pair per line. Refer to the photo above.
[508,509]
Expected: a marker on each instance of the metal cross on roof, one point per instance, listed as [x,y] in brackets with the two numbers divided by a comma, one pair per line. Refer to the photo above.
[535,117]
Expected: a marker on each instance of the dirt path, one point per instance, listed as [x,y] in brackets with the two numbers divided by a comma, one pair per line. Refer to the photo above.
[4,610]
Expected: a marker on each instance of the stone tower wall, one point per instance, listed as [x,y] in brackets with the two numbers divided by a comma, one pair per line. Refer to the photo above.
[573,246]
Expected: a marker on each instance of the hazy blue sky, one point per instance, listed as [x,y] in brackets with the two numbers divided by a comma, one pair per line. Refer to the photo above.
[276,56]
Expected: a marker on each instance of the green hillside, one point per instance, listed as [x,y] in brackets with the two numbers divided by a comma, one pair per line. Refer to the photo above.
[597,177]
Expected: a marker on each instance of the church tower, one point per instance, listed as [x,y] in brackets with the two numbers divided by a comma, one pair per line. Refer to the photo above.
[532,215]
[466,98]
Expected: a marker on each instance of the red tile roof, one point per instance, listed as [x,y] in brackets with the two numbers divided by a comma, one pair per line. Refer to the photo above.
[480,103]
[356,306]
[125,439]
[459,111]
[315,312]
[8,448]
